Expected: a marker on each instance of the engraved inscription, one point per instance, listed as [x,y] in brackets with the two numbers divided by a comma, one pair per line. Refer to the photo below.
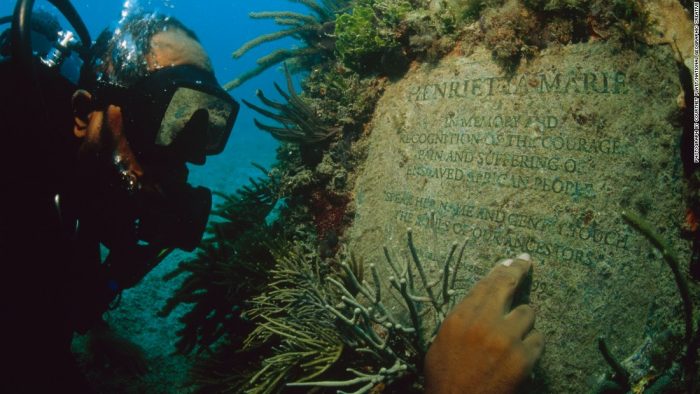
[508,150]
[543,162]
[555,82]
[475,224]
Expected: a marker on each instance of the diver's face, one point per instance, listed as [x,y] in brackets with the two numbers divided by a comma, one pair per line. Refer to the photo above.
[102,132]
[132,196]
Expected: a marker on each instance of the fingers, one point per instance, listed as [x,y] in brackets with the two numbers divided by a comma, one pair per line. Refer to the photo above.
[520,321]
[493,294]
[94,127]
[505,278]
[534,346]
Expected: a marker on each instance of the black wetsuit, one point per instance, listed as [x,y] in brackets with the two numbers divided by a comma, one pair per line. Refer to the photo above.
[51,280]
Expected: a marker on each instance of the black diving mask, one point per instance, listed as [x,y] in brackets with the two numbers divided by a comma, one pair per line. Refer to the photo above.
[178,111]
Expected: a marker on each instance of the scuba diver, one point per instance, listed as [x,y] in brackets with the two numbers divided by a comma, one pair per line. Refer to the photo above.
[95,154]
[96,138]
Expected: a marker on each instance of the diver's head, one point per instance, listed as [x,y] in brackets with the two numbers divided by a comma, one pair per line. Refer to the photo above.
[144,43]
[153,105]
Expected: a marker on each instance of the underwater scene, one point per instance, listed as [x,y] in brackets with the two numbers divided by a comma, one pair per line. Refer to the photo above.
[439,196]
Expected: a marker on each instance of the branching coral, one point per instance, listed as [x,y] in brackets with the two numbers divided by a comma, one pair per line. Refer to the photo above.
[230,267]
[300,123]
[317,329]
[390,345]
[315,31]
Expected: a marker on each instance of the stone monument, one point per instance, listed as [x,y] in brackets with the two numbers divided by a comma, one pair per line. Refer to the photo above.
[542,161]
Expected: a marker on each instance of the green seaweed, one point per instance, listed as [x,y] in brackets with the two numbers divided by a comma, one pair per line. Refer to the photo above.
[362,37]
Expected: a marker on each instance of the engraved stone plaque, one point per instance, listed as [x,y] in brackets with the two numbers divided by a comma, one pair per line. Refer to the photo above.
[543,161]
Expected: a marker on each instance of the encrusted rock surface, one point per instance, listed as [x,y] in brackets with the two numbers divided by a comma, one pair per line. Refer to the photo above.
[543,161]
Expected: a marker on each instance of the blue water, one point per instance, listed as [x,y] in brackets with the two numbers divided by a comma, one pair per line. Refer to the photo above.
[222,26]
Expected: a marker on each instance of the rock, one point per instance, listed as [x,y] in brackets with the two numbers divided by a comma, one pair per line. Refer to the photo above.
[542,162]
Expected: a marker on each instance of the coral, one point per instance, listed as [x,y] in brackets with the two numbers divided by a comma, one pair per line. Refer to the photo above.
[315,31]
[519,29]
[315,328]
[509,32]
[470,10]
[300,122]
[334,172]
[558,31]
[298,182]
[230,267]
[386,346]
[626,21]
[309,325]
[342,96]
[431,35]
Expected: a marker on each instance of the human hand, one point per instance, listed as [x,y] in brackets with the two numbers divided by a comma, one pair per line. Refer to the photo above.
[483,346]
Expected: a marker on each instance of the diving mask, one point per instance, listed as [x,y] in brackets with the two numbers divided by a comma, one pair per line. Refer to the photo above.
[171,116]
[178,111]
